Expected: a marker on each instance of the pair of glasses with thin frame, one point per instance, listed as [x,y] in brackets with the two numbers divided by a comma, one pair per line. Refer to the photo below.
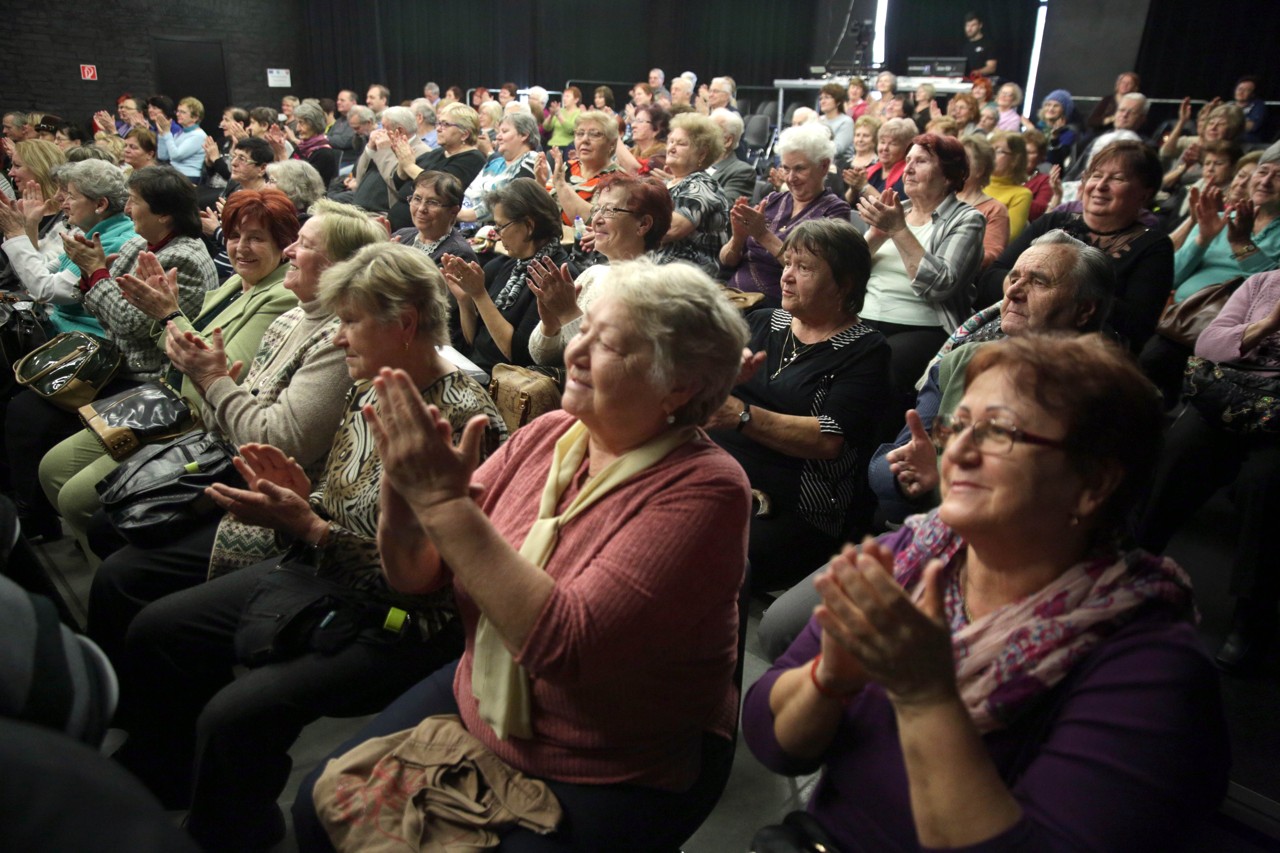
[990,435]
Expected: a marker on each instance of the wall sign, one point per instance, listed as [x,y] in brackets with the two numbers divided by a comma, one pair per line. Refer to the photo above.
[88,72]
[279,78]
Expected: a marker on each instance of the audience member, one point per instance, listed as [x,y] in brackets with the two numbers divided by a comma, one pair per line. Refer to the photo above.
[893,141]
[1102,118]
[982,160]
[1253,107]
[737,178]
[517,157]
[1008,177]
[700,224]
[562,118]
[648,149]
[574,183]
[831,106]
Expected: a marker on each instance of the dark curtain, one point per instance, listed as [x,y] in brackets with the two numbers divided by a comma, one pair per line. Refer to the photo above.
[404,43]
[936,28]
[1198,49]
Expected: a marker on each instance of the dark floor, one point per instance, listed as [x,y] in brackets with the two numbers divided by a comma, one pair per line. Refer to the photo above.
[1249,821]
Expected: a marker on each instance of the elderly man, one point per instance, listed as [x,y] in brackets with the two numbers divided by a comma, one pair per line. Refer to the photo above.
[1131,115]
[431,91]
[734,176]
[375,174]
[1059,285]
[720,94]
[681,92]
[377,99]
[657,82]
[425,115]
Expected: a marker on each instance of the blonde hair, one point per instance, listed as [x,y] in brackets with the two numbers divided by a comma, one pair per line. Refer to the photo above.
[382,280]
[41,157]
[467,119]
[194,107]
[704,136]
[607,125]
[345,229]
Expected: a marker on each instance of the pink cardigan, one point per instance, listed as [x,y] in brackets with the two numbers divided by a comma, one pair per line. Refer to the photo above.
[632,657]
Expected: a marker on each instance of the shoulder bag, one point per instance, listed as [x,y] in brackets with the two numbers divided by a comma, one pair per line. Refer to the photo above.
[147,414]
[1182,322]
[522,393]
[70,370]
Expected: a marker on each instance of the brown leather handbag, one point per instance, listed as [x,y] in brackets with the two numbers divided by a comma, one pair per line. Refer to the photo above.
[521,394]
[1182,322]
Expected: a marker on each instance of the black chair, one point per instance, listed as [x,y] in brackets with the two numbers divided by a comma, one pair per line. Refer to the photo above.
[744,106]
[755,136]
[769,109]
[790,113]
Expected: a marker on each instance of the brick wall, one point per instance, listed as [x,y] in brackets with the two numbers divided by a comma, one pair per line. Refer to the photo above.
[47,40]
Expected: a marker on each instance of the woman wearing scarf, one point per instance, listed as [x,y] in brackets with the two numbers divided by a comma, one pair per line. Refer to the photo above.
[313,146]
[999,674]
[599,655]
[496,309]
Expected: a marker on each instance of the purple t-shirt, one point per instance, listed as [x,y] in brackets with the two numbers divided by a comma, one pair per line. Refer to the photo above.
[760,271]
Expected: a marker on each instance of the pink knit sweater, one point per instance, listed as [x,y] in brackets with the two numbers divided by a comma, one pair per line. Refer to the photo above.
[632,657]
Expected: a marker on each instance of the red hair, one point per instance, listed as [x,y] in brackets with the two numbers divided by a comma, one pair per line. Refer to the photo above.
[269,208]
[647,196]
[951,157]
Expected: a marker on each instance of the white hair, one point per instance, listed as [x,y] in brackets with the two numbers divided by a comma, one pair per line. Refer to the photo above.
[401,117]
[812,140]
[730,122]
[538,93]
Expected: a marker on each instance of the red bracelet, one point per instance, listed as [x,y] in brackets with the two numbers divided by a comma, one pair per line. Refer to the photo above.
[826,691]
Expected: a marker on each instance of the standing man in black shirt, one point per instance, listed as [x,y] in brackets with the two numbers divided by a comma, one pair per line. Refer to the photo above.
[980,55]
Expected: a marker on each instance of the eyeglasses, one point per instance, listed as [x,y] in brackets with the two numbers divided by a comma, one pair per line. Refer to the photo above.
[498,229]
[241,160]
[989,436]
[609,212]
[593,135]
[441,123]
[428,203]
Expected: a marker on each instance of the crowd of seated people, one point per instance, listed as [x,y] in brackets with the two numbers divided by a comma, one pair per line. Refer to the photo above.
[998,303]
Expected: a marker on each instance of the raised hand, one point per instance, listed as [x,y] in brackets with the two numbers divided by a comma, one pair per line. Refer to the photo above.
[1209,215]
[557,167]
[751,219]
[268,502]
[915,464]
[1240,226]
[275,137]
[12,222]
[208,221]
[266,462]
[541,170]
[85,253]
[556,292]
[211,152]
[103,121]
[465,278]
[150,289]
[884,213]
[205,362]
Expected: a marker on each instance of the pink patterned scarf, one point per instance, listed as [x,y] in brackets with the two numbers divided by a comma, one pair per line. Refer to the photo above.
[1017,653]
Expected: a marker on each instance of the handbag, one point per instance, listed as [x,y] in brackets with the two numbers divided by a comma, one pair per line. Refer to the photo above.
[743,300]
[293,611]
[1182,322]
[522,393]
[1235,397]
[70,370]
[799,832]
[20,329]
[146,414]
[158,493]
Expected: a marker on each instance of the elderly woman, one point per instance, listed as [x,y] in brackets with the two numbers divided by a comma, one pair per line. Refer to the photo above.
[497,311]
[892,143]
[562,118]
[456,129]
[1103,117]
[313,146]
[1008,177]
[1040,183]
[803,427]
[963,107]
[630,216]
[595,137]
[924,255]
[93,202]
[291,397]
[1220,122]
[185,152]
[1055,122]
[186,707]
[488,115]
[1008,99]
[139,150]
[886,86]
[856,100]
[866,130]
[635,755]
[700,224]
[1114,192]
[162,205]
[435,203]
[831,107]
[298,180]
[38,216]
[648,150]
[758,233]
[998,670]
[982,161]
[259,226]
[517,150]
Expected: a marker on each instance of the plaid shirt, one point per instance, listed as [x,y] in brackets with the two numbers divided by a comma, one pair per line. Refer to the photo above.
[131,330]
[945,277]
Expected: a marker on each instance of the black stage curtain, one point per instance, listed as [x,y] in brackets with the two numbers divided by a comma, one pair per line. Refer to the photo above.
[404,43]
[936,28]
[1198,49]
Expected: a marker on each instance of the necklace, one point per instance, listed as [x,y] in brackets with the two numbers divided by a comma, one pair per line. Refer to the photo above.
[797,350]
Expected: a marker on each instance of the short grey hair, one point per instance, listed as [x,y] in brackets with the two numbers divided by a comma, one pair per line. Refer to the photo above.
[1093,275]
[1017,92]
[1137,97]
[696,333]
[297,179]
[98,179]
[810,140]
[361,112]
[525,126]
[382,280]
[902,129]
[432,87]
[730,122]
[538,94]
[312,115]
[423,110]
[401,117]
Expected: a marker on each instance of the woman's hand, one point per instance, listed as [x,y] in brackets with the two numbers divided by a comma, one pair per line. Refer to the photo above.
[1055,184]
[904,647]
[150,289]
[542,171]
[12,222]
[416,444]
[855,179]
[275,138]
[728,416]
[103,121]
[86,254]
[915,464]
[884,213]
[1209,215]
[748,219]
[465,278]
[205,362]
[556,292]
[557,168]
[34,205]
[208,222]
[662,175]
[1240,226]
[1192,155]
[553,108]
[1184,110]
[276,496]
[211,152]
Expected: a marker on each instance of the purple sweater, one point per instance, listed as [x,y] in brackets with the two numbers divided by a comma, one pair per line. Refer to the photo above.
[1253,301]
[1127,753]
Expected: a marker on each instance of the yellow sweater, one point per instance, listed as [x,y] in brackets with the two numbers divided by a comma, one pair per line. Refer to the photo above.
[1015,197]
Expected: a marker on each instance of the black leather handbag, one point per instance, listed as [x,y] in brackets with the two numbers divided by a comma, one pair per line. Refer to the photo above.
[147,414]
[158,493]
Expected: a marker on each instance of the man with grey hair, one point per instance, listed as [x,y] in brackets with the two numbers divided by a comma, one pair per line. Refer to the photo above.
[1059,285]
[425,115]
[657,81]
[734,176]
[375,174]
[681,92]
[431,92]
[1131,115]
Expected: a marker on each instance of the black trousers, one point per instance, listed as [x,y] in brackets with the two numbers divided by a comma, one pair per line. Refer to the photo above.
[784,549]
[195,729]
[911,348]
[1164,363]
[1199,459]
[596,817]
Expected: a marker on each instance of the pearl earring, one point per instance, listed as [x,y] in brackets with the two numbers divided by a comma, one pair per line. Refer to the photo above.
[671,419]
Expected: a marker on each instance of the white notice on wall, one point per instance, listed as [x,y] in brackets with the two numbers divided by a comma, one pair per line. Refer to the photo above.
[278,78]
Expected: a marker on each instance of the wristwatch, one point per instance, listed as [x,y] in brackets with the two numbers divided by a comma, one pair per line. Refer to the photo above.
[744,417]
